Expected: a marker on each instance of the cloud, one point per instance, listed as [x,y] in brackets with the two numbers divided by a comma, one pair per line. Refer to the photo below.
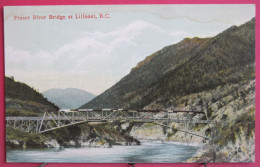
[98,46]
[26,61]
[91,55]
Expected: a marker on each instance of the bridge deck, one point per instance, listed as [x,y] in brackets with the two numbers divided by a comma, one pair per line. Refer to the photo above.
[97,119]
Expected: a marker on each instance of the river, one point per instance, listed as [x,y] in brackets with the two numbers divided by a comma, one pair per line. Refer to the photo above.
[148,152]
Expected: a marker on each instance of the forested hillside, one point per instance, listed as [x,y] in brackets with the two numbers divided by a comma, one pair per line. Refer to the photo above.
[22,100]
[190,66]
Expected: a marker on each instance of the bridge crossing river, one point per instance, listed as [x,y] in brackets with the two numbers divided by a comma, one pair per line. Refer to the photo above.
[52,120]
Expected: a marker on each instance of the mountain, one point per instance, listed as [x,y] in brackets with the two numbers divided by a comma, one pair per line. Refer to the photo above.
[70,98]
[217,73]
[190,66]
[23,100]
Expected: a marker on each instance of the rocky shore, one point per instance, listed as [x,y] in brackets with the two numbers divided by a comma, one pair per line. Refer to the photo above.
[76,136]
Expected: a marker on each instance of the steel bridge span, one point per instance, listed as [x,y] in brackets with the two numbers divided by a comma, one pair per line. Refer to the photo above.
[52,120]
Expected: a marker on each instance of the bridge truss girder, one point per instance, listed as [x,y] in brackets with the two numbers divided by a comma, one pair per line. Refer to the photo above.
[58,119]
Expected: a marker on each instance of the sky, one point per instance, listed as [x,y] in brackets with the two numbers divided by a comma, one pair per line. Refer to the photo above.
[94,54]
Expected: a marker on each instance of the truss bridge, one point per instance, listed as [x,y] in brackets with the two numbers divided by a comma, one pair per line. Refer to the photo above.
[52,120]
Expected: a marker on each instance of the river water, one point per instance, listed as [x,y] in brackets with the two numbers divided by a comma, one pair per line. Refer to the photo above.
[149,151]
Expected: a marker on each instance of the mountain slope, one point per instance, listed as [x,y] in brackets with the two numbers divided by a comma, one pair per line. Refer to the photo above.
[70,98]
[22,100]
[189,66]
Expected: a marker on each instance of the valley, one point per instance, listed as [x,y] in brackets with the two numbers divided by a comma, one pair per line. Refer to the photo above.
[215,74]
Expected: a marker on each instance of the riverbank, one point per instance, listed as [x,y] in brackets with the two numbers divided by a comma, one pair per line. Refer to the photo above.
[83,135]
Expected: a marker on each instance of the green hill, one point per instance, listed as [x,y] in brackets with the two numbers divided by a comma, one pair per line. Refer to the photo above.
[22,100]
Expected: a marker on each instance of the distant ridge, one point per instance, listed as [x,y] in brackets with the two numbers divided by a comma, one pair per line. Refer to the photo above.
[70,98]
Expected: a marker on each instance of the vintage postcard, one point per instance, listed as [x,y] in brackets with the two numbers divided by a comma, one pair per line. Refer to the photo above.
[130,83]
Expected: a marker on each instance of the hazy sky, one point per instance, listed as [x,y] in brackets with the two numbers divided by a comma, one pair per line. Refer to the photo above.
[94,54]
